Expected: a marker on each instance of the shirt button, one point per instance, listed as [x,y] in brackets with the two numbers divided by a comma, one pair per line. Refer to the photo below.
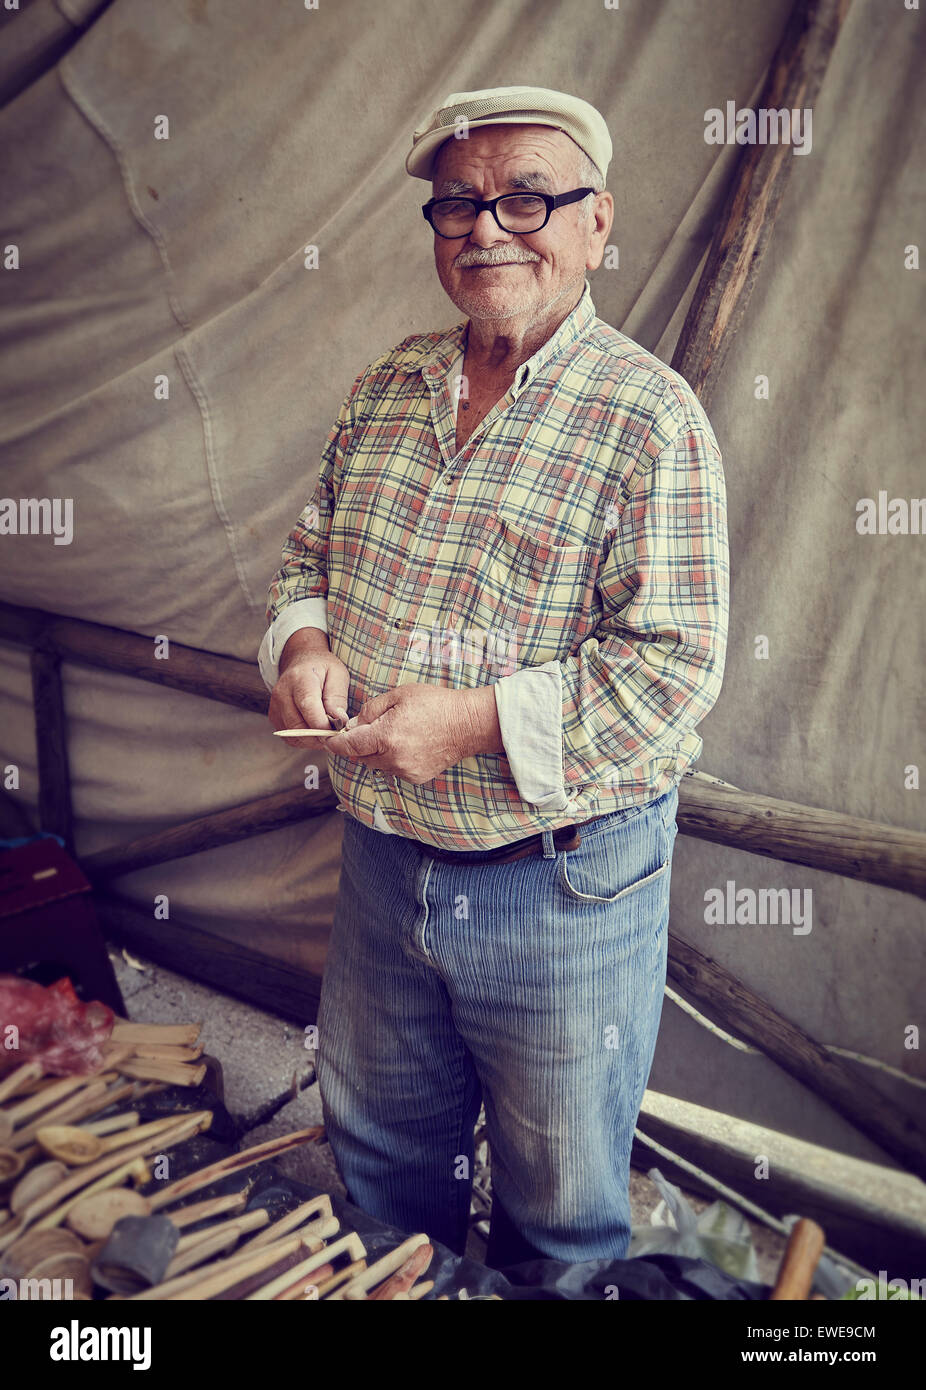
[398,623]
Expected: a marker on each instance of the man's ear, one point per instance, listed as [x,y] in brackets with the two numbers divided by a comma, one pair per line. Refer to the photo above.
[602,220]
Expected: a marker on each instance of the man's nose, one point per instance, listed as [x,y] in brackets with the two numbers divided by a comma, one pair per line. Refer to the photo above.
[486,231]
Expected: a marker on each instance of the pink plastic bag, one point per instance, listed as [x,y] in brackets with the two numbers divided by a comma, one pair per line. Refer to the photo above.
[49,1023]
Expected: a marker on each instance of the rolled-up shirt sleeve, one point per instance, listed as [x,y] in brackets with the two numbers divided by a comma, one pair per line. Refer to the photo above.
[297,596]
[530,716]
[302,612]
[636,688]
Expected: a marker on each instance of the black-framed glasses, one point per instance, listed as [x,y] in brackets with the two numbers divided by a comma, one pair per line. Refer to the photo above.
[514,212]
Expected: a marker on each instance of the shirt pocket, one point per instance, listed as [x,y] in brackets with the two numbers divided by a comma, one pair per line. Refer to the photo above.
[534,599]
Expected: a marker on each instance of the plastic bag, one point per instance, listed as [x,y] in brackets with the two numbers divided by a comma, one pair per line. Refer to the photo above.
[48,1023]
[720,1235]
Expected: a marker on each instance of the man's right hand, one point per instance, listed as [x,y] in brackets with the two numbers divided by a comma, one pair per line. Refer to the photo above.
[311,691]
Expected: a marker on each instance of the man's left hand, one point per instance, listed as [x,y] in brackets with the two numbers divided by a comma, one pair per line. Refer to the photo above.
[417,731]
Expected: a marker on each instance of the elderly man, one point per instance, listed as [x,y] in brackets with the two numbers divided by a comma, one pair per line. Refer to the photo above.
[510,594]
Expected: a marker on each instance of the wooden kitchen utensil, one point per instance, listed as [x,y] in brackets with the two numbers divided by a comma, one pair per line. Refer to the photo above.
[197,1247]
[227,1273]
[235,1163]
[75,1146]
[380,1269]
[36,1246]
[405,1276]
[305,733]
[175,1034]
[42,1178]
[45,1098]
[11,1164]
[351,1245]
[89,1101]
[318,1209]
[129,1119]
[174,1073]
[83,1177]
[29,1071]
[94,1217]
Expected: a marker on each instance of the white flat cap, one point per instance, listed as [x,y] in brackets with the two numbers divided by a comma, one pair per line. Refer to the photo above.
[510,106]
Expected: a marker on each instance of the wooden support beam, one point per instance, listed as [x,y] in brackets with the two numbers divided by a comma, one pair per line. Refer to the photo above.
[207,832]
[222,678]
[801,835]
[864,1230]
[55,813]
[745,226]
[708,809]
[228,966]
[726,1000]
[847,845]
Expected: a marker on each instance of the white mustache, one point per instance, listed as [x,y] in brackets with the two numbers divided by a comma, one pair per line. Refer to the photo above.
[493,256]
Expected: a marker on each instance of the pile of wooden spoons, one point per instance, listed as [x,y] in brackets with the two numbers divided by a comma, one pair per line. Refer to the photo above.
[73,1157]
[53,1256]
[65,1142]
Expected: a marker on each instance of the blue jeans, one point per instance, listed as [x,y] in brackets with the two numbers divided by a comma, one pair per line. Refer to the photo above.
[535,987]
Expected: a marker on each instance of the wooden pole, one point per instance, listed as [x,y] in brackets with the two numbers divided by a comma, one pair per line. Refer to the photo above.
[222,678]
[207,832]
[745,226]
[847,845]
[866,1229]
[800,835]
[55,813]
[726,1000]
[708,809]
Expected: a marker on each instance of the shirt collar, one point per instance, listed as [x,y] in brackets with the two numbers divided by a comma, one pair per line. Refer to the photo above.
[437,356]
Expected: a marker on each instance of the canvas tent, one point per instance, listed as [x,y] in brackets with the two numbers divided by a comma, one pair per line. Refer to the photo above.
[141,259]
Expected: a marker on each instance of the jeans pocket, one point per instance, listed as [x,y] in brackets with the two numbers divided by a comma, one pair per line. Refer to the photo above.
[623,860]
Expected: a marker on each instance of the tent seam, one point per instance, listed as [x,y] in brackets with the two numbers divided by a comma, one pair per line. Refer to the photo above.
[198,392]
[96,121]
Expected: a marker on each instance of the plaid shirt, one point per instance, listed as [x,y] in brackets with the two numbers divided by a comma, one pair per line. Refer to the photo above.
[573,555]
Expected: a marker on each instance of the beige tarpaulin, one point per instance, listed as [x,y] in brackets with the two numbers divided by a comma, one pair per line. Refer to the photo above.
[185,258]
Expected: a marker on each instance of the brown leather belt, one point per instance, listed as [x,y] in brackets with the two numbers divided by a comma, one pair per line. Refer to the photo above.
[566,837]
